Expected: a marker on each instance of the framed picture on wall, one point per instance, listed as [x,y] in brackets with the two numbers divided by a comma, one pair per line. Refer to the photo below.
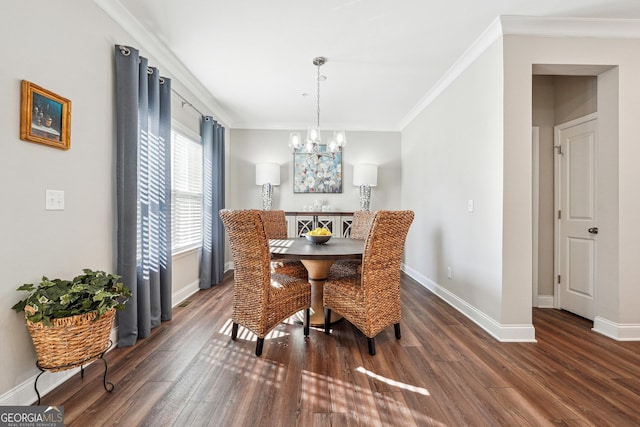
[45,118]
[319,172]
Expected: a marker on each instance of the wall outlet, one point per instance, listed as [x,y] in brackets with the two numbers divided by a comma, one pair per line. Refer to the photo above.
[449,273]
[470,205]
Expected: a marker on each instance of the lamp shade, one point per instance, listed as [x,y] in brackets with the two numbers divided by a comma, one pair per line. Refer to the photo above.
[267,173]
[365,174]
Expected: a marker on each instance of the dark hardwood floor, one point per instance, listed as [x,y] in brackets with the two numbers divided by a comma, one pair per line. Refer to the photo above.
[445,371]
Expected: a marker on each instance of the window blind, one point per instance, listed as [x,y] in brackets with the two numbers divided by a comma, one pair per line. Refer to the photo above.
[186,191]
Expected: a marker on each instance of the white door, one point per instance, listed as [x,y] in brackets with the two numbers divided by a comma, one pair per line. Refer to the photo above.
[576,234]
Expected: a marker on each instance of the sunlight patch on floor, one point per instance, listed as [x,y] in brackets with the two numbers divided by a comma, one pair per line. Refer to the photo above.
[404,386]
[326,394]
[247,335]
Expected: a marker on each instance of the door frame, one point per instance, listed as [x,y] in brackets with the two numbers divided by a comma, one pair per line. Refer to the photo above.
[535,203]
[557,202]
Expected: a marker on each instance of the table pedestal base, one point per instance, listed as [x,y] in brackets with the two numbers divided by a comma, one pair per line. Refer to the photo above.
[318,272]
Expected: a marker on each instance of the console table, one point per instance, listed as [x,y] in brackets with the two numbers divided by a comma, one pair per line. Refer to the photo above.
[299,223]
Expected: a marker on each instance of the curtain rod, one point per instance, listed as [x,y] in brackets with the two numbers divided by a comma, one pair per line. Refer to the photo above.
[185,102]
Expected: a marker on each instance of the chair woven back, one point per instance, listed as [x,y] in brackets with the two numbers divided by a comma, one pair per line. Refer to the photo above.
[361,224]
[382,258]
[275,224]
[252,271]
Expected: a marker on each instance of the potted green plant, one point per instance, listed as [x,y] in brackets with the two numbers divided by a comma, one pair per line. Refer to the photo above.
[93,291]
[70,320]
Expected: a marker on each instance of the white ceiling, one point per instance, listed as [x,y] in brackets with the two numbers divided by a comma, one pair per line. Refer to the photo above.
[383,56]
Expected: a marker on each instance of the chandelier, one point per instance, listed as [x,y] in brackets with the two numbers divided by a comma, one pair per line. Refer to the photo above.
[312,143]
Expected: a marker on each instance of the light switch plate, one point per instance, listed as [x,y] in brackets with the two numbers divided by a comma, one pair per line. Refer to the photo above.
[470,205]
[54,200]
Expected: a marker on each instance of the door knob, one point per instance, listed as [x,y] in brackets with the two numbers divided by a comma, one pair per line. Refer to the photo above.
[593,230]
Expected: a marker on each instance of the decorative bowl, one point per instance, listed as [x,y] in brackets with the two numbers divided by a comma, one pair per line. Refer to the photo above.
[317,239]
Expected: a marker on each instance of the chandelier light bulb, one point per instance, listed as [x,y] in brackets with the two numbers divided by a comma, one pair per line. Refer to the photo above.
[313,134]
[332,145]
[295,141]
[309,146]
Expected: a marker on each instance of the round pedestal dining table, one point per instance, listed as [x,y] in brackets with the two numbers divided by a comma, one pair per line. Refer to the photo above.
[317,259]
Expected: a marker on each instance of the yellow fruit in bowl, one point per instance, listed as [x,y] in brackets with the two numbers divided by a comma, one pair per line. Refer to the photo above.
[320,231]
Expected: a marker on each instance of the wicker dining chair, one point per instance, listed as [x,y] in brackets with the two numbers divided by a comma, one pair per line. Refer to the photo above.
[359,230]
[371,301]
[261,300]
[275,225]
[361,224]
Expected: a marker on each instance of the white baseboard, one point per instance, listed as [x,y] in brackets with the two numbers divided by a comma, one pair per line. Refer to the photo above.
[545,301]
[25,394]
[185,293]
[617,331]
[503,333]
[606,327]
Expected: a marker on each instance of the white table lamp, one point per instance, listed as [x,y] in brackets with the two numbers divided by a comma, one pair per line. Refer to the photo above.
[267,175]
[365,176]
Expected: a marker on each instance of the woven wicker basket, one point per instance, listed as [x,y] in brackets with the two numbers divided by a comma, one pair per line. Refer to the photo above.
[71,341]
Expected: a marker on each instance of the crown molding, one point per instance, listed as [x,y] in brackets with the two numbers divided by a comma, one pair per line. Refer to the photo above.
[167,61]
[325,127]
[526,26]
[479,46]
[570,27]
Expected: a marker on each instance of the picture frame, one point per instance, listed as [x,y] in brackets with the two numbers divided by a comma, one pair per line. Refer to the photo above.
[319,172]
[45,117]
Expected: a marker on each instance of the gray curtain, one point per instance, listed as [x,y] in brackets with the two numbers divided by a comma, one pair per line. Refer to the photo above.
[212,257]
[143,168]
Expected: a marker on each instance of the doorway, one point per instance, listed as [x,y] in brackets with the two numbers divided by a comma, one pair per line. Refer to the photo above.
[562,94]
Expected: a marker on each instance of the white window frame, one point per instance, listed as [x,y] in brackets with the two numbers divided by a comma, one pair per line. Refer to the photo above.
[184,132]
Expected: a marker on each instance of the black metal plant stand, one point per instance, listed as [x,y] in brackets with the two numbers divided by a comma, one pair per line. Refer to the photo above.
[108,386]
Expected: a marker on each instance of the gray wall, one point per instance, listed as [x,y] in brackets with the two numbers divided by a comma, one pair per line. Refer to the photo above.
[249,147]
[68,49]
[74,58]
[452,152]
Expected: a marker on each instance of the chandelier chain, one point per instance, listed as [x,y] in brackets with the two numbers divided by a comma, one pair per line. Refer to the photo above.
[318,96]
